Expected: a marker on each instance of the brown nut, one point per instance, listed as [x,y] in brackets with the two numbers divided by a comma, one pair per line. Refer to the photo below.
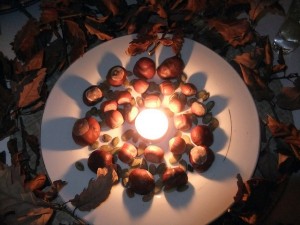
[188,89]
[140,85]
[141,181]
[167,87]
[174,177]
[201,158]
[86,131]
[144,68]
[127,153]
[131,114]
[123,97]
[99,159]
[177,145]
[198,108]
[202,135]
[108,105]
[177,102]
[116,76]
[92,95]
[152,101]
[171,68]
[182,122]
[114,118]
[154,154]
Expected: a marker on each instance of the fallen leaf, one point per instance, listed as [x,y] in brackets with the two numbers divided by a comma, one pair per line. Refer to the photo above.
[51,193]
[19,205]
[97,191]
[250,59]
[288,98]
[140,44]
[98,33]
[236,32]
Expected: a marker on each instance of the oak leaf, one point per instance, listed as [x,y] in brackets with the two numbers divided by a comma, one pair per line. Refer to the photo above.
[97,191]
[19,205]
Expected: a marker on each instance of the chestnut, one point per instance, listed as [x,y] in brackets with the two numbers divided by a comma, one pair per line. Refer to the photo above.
[123,97]
[202,135]
[127,153]
[99,159]
[114,118]
[140,85]
[177,102]
[116,76]
[144,68]
[154,154]
[167,87]
[201,158]
[182,122]
[152,101]
[86,131]
[198,108]
[188,89]
[171,68]
[141,181]
[108,105]
[92,95]
[174,177]
[131,114]
[177,145]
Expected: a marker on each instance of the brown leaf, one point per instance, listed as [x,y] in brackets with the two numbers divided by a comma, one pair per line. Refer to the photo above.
[140,44]
[97,191]
[98,33]
[35,63]
[30,87]
[50,194]
[48,15]
[236,32]
[17,204]
[289,98]
[258,88]
[251,59]
[258,8]
[36,183]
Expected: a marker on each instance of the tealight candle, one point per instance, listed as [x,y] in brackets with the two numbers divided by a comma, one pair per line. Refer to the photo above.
[151,124]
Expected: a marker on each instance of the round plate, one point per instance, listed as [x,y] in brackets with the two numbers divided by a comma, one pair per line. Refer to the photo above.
[209,194]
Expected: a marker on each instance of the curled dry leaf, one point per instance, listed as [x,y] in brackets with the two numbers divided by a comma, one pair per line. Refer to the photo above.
[140,44]
[236,32]
[97,191]
[289,98]
[100,35]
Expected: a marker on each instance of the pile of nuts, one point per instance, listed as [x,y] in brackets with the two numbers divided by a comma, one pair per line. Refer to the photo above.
[121,97]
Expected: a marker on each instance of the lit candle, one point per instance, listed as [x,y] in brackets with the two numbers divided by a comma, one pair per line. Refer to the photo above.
[151,124]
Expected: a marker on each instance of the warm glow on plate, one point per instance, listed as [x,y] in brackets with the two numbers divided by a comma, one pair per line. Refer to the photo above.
[151,124]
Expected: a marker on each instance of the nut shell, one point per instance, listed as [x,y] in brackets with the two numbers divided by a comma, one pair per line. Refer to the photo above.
[108,105]
[171,68]
[154,154]
[114,119]
[86,131]
[92,95]
[141,181]
[182,122]
[116,76]
[99,159]
[127,153]
[140,85]
[177,145]
[188,89]
[174,177]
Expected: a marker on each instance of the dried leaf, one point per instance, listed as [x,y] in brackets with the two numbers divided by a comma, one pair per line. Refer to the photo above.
[36,183]
[98,33]
[258,88]
[35,63]
[50,194]
[30,87]
[17,204]
[236,32]
[140,44]
[258,8]
[251,59]
[289,98]
[97,191]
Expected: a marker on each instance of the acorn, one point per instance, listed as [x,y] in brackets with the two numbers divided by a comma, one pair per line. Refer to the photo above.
[202,135]
[201,158]
[154,154]
[92,95]
[188,89]
[99,159]
[116,76]
[109,105]
[140,85]
[171,68]
[114,118]
[141,181]
[86,131]
[174,177]
[182,122]
[167,87]
[177,145]
[127,153]
[144,68]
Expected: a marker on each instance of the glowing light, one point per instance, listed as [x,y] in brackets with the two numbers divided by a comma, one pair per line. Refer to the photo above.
[151,124]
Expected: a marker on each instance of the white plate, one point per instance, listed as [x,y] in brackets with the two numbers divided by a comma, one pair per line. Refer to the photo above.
[210,194]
